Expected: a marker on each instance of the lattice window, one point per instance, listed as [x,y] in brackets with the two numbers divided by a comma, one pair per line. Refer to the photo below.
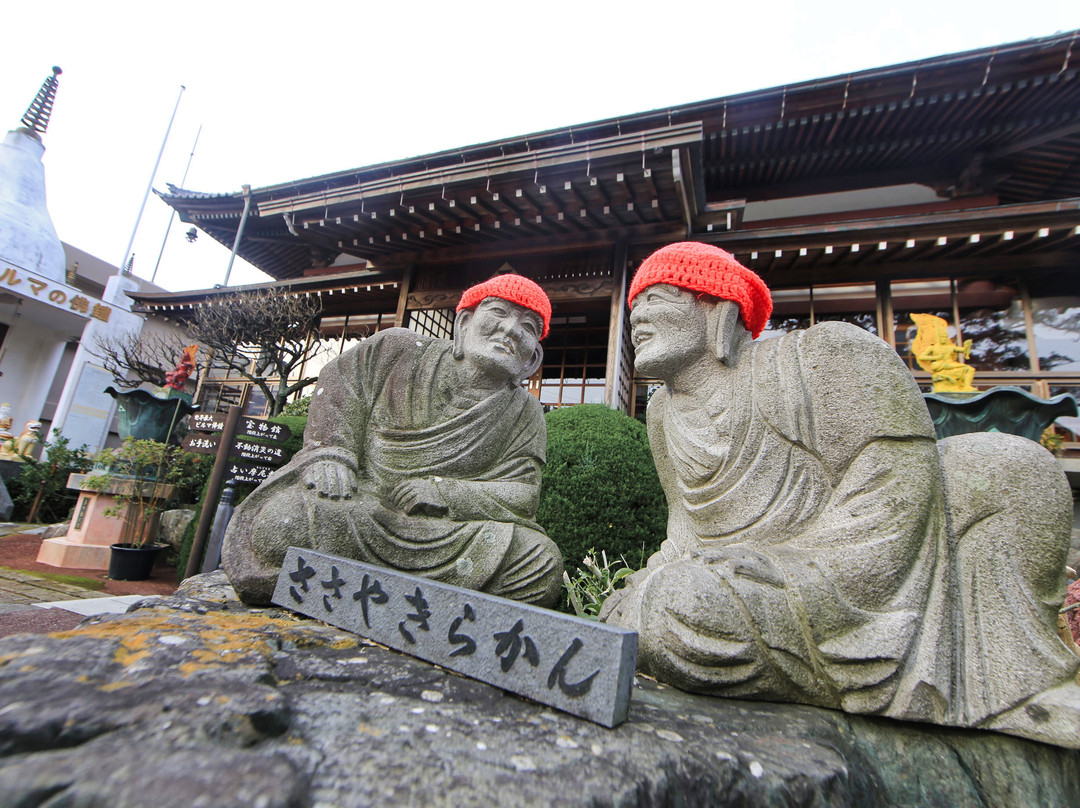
[437,323]
[575,359]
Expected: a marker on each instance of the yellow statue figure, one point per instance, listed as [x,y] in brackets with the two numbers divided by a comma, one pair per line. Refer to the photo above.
[936,353]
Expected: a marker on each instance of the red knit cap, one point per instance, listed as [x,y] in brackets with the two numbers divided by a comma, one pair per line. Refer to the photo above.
[712,271]
[516,289]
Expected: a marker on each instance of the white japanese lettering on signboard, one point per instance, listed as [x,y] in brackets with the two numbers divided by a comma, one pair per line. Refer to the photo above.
[208,422]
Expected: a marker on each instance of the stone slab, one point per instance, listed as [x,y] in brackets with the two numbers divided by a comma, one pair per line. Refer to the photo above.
[198,700]
[580,666]
[88,607]
[18,588]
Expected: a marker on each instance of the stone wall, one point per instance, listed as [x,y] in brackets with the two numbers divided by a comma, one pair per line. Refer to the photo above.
[197,700]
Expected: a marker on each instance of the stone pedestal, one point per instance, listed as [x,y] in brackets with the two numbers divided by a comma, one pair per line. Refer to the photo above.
[91,532]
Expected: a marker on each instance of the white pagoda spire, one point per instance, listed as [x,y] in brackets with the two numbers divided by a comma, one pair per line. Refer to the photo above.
[28,239]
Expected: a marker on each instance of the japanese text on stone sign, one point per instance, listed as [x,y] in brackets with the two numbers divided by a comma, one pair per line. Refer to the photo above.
[576,665]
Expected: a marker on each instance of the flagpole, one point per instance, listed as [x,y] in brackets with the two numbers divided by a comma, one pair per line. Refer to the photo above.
[172,215]
[150,185]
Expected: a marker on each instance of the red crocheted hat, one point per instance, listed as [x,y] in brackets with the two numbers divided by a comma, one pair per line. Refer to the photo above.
[516,289]
[712,271]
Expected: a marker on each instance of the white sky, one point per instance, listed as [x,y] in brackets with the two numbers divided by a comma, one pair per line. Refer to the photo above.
[285,91]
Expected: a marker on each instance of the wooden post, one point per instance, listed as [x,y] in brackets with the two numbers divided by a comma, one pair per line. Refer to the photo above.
[213,490]
[616,329]
[885,315]
[37,501]
[1029,327]
[401,316]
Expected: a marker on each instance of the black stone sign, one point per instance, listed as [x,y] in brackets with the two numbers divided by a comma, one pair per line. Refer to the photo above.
[201,444]
[580,666]
[245,449]
[249,427]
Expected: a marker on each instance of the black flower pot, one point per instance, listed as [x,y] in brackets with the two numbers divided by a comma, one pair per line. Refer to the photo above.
[133,562]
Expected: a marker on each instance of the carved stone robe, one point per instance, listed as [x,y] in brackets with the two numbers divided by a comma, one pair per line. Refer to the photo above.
[389,411]
[808,555]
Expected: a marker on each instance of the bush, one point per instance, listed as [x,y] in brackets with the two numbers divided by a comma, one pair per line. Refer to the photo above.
[297,407]
[48,477]
[145,477]
[600,489]
[593,583]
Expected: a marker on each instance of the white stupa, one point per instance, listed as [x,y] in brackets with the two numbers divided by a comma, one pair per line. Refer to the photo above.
[28,239]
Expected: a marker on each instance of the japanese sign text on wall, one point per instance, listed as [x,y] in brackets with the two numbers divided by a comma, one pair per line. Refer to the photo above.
[52,293]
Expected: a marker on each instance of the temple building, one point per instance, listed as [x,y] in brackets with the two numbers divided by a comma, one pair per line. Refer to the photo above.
[55,300]
[949,186]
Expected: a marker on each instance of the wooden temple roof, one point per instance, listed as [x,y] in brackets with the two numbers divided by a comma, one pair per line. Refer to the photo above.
[1001,123]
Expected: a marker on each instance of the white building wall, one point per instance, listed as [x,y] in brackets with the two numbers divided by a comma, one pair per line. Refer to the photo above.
[30,359]
[85,410]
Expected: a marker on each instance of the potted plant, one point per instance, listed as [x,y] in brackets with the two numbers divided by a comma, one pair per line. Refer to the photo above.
[142,476]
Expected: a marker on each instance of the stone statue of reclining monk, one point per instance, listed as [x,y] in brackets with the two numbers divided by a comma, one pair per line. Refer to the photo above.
[822,547]
[422,455]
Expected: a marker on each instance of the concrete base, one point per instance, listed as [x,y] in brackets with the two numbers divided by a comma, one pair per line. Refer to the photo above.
[91,532]
[65,552]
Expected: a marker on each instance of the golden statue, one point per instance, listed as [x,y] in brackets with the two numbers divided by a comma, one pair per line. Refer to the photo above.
[18,449]
[936,353]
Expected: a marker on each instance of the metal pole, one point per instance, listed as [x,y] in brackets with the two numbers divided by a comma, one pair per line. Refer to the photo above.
[172,216]
[239,231]
[222,517]
[153,174]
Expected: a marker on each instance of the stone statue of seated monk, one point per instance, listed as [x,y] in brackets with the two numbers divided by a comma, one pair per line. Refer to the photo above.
[822,547]
[420,454]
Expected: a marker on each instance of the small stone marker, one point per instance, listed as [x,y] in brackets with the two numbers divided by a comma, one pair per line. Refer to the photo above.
[579,666]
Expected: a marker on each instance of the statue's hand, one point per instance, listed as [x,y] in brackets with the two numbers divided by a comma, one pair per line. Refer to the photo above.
[330,479]
[749,565]
[757,568]
[418,497]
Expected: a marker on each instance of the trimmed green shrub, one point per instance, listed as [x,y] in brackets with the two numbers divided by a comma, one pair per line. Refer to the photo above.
[600,490]
[298,406]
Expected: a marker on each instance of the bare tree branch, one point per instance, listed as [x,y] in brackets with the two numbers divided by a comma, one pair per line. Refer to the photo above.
[262,336]
[133,358]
